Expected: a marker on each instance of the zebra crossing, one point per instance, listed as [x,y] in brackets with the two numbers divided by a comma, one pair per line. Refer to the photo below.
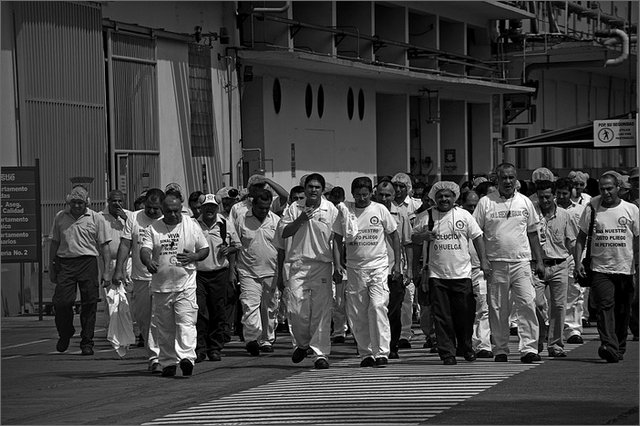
[408,391]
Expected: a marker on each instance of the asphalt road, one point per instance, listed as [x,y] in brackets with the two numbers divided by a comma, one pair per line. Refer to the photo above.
[41,386]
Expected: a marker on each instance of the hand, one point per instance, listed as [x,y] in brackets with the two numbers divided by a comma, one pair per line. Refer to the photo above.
[396,272]
[307,214]
[186,257]
[409,276]
[227,250]
[121,214]
[540,269]
[152,267]
[106,279]
[485,265]
[579,270]
[339,269]
[337,277]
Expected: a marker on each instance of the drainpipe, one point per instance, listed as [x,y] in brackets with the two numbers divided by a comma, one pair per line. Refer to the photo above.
[617,35]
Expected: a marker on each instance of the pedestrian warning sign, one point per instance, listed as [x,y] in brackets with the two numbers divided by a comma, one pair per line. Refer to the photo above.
[614,133]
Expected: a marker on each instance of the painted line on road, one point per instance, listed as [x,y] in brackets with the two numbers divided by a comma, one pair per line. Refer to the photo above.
[24,344]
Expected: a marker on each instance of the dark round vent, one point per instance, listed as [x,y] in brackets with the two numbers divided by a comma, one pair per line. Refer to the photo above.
[361,104]
[308,100]
[320,101]
[350,103]
[277,96]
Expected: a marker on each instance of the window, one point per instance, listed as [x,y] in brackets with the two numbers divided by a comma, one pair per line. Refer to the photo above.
[200,101]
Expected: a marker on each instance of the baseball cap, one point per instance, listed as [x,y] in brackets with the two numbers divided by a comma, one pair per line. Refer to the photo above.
[208,199]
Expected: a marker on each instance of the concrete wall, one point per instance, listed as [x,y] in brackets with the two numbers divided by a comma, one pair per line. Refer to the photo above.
[453,131]
[334,145]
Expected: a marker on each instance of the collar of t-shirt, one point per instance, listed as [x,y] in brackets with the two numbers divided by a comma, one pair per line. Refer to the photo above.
[216,222]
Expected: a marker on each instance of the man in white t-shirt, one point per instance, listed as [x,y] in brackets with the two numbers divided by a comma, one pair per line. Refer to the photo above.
[509,223]
[579,185]
[450,286]
[307,225]
[130,243]
[615,236]
[256,265]
[367,294]
[170,248]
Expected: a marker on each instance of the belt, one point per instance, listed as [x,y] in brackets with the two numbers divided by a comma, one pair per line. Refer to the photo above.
[553,262]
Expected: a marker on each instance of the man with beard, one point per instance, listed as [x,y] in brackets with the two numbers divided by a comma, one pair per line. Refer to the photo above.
[450,286]
[509,223]
[307,224]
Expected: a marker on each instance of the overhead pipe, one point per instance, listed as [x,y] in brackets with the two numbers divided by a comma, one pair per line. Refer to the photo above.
[573,7]
[284,8]
[624,39]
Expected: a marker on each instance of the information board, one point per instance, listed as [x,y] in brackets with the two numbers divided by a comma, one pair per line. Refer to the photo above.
[20,214]
[614,133]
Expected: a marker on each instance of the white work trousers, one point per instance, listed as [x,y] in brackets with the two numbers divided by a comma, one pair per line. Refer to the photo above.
[367,297]
[481,338]
[259,300]
[339,315]
[406,316]
[175,315]
[141,313]
[575,304]
[514,276]
[309,297]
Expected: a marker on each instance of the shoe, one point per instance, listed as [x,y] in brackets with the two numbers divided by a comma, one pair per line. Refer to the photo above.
[200,357]
[63,344]
[433,350]
[140,341]
[501,358]
[557,354]
[540,347]
[253,348]
[470,357]
[484,354]
[586,323]
[338,339]
[155,368]
[607,354]
[298,355]
[169,371]
[266,348]
[368,362]
[321,364]
[513,331]
[87,350]
[214,356]
[576,339]
[186,366]
[449,361]
[382,361]
[529,357]
[404,344]
[393,355]
[428,343]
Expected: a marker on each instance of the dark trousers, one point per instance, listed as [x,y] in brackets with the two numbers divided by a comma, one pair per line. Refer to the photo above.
[82,273]
[394,310]
[612,294]
[211,295]
[454,309]
[635,308]
[233,295]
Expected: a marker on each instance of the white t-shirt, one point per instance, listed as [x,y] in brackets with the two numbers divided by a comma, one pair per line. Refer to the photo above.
[505,223]
[453,231]
[614,230]
[368,250]
[404,234]
[134,231]
[258,255]
[312,241]
[166,241]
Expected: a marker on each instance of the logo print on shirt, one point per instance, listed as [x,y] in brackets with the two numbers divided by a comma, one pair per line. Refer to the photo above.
[622,221]
[375,220]
[525,212]
[459,224]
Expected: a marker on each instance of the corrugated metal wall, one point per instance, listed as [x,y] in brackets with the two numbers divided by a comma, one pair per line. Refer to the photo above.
[60,64]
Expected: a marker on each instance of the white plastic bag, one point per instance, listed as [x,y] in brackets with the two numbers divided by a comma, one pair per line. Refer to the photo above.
[348,222]
[120,332]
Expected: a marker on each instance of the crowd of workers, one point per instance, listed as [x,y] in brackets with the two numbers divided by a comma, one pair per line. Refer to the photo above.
[473,263]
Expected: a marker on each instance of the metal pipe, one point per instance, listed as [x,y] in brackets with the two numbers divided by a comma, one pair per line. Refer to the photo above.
[284,8]
[623,37]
